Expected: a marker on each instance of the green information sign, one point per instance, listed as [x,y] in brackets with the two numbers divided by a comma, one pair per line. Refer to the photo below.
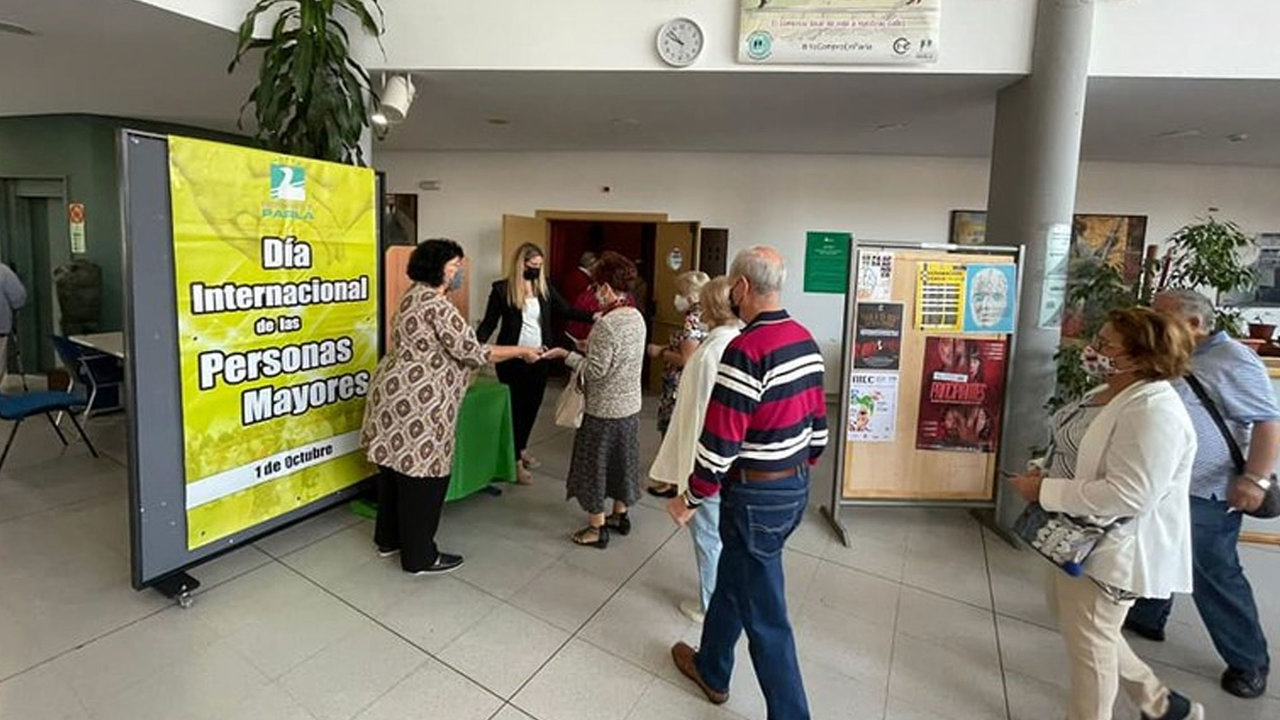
[826,262]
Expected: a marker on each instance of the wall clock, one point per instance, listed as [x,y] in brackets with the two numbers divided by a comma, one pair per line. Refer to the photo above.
[680,42]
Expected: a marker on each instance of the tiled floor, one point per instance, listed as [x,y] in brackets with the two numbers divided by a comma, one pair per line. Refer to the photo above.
[926,617]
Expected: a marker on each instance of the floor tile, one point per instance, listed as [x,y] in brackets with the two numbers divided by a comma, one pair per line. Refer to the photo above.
[437,611]
[313,529]
[352,673]
[564,595]
[583,682]
[504,649]
[433,691]
[931,679]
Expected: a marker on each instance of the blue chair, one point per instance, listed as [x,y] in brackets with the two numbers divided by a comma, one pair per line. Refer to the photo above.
[16,408]
[100,374]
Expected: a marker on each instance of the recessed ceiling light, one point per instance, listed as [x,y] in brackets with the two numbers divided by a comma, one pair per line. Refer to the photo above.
[625,122]
[1238,137]
[1176,134]
[14,28]
[890,127]
[498,121]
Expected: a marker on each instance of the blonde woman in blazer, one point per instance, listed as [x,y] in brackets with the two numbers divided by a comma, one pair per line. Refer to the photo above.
[1132,472]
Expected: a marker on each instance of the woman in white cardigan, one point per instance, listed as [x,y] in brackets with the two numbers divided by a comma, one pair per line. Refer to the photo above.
[674,462]
[1135,445]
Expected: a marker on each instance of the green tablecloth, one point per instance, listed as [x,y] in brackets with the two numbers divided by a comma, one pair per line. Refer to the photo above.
[485,449]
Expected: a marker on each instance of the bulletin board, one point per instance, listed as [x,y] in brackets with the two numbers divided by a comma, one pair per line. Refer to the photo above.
[928,342]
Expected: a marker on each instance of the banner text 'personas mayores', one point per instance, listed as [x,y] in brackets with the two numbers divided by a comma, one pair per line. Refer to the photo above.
[275,260]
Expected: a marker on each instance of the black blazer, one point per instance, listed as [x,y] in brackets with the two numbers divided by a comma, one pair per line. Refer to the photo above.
[512,318]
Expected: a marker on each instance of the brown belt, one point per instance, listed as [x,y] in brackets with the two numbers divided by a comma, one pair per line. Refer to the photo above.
[763,475]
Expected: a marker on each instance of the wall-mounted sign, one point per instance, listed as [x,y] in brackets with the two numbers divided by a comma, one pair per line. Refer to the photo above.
[826,262]
[839,32]
[75,219]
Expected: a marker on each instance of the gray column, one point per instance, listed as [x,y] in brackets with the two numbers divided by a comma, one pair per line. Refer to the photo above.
[1034,163]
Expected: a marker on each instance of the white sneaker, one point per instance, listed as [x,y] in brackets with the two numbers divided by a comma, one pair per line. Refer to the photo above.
[692,609]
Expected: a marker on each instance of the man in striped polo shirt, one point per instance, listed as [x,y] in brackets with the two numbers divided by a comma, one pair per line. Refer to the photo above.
[765,426]
[1235,380]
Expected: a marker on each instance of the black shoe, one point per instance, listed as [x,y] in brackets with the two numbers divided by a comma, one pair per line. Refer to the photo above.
[1180,708]
[1144,632]
[1246,684]
[619,523]
[445,563]
[601,540]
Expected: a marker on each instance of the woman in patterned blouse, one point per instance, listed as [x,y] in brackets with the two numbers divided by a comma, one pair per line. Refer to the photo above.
[676,353]
[412,412]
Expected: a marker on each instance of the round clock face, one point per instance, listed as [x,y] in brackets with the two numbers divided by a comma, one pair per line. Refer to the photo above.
[680,42]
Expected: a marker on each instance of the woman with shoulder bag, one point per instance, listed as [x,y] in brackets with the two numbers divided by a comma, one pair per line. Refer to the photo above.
[1123,460]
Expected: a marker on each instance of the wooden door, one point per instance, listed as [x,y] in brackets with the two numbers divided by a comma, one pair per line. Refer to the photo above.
[675,253]
[518,230]
[713,251]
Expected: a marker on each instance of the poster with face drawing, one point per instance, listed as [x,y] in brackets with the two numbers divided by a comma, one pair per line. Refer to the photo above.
[989,301]
[962,394]
[873,407]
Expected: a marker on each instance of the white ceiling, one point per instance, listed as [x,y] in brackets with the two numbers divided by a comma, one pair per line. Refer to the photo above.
[120,57]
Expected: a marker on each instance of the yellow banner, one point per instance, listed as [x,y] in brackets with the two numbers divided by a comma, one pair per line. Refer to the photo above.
[276,268]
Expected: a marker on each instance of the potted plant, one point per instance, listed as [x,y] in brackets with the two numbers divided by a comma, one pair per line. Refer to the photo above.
[312,98]
[1259,330]
[1210,255]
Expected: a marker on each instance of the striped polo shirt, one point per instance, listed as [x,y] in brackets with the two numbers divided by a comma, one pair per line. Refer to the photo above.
[767,410]
[1235,378]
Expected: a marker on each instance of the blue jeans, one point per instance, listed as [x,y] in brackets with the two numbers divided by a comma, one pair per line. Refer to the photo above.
[1222,593]
[755,521]
[705,529]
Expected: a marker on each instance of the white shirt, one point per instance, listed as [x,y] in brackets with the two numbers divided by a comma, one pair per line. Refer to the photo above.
[1135,462]
[674,462]
[531,326]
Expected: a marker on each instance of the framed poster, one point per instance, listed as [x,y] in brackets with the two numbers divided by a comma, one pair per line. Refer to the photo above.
[826,262]
[962,394]
[878,336]
[989,298]
[1116,240]
[873,407]
[838,32]
[968,227]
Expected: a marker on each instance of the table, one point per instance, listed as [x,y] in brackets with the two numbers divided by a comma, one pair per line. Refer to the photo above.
[485,450]
[111,343]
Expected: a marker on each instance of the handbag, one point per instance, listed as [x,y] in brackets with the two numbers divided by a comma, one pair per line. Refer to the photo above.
[1270,507]
[1062,539]
[572,404]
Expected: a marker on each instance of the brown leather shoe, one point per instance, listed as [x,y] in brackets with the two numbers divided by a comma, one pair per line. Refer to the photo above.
[683,655]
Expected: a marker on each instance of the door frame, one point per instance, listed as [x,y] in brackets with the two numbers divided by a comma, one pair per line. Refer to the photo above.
[54,188]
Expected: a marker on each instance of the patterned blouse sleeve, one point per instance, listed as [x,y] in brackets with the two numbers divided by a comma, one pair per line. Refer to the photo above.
[458,339]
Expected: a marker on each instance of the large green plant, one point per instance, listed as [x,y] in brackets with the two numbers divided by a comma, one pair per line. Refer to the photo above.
[1211,254]
[312,98]
[1098,288]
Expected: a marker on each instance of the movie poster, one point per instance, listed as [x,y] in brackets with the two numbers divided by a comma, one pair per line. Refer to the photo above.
[873,407]
[878,344]
[962,394]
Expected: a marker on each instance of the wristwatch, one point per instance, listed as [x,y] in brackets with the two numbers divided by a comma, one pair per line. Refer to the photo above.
[1262,482]
[690,502]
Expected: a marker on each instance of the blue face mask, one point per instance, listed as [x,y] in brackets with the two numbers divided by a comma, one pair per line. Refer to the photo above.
[456,282]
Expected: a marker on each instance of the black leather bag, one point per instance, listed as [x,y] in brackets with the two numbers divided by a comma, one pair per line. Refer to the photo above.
[1270,507]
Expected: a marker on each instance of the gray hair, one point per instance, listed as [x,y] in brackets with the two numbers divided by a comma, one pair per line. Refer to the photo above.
[763,268]
[587,260]
[1192,304]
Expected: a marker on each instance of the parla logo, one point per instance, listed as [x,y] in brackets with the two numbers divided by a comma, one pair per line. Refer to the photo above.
[287,214]
[289,183]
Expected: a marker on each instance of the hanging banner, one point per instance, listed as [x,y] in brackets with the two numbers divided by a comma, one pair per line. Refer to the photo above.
[276,268]
[878,336]
[75,225]
[875,275]
[962,393]
[940,297]
[873,407]
[988,301]
[838,32]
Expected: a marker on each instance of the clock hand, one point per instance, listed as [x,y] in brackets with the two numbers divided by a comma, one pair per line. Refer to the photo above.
[671,34]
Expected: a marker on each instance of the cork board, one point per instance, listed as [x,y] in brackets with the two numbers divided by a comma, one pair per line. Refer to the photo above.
[899,470]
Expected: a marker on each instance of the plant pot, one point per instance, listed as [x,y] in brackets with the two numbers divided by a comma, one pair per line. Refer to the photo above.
[1261,331]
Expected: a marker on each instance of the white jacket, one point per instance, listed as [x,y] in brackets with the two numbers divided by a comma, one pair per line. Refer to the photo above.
[1135,461]
[674,462]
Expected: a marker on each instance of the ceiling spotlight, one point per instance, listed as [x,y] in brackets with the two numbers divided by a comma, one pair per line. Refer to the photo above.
[1178,134]
[397,97]
[1238,137]
[378,118]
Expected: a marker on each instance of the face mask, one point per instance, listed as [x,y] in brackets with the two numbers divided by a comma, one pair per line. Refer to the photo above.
[456,282]
[532,274]
[682,304]
[1097,364]
[735,306]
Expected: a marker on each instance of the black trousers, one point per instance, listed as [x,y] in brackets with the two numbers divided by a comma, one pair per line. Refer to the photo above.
[409,515]
[528,384]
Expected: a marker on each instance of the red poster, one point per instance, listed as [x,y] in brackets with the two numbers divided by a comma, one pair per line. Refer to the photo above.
[962,395]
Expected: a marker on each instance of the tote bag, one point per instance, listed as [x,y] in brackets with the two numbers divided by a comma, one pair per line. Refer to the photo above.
[572,403]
